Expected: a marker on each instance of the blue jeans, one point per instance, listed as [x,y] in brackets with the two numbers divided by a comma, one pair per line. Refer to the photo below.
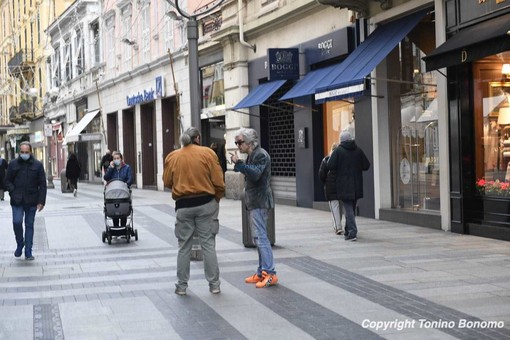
[17,221]
[351,230]
[258,225]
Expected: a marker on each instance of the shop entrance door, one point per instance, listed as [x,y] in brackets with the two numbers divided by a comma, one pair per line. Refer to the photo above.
[148,146]
[418,166]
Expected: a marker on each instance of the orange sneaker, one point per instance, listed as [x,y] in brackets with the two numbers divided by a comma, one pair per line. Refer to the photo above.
[255,278]
[268,280]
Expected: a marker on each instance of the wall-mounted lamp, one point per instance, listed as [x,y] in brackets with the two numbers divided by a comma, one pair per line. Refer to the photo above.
[505,70]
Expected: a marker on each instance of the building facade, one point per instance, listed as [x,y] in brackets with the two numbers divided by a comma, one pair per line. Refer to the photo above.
[360,69]
[73,68]
[23,50]
[476,62]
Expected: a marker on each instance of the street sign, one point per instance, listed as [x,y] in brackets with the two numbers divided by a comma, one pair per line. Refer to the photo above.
[48,130]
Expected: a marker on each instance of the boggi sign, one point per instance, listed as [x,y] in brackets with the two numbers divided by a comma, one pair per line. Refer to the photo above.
[283,63]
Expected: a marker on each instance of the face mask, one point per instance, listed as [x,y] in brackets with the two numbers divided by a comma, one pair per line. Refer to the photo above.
[25,156]
[116,162]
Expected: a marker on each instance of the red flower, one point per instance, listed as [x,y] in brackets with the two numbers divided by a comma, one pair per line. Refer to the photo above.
[481,182]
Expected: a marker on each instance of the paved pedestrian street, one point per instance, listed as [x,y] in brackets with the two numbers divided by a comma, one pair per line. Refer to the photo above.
[395,282]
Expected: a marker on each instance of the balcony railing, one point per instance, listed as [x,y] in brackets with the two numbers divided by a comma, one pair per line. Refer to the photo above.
[22,60]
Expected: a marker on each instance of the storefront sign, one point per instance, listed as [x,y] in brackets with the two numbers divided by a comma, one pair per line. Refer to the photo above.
[18,131]
[334,44]
[48,130]
[86,137]
[405,171]
[150,94]
[38,136]
[325,47]
[283,63]
[302,140]
[160,87]
[463,56]
[146,96]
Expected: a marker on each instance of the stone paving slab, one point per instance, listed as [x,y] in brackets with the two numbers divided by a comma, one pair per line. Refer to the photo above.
[81,288]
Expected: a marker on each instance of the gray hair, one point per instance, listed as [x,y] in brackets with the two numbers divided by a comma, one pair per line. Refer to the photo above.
[26,143]
[250,136]
[188,136]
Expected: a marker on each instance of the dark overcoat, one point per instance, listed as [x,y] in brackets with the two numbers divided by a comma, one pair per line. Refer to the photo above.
[73,169]
[328,180]
[3,168]
[349,162]
[26,182]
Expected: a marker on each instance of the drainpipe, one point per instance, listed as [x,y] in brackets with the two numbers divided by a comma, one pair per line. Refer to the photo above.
[241,28]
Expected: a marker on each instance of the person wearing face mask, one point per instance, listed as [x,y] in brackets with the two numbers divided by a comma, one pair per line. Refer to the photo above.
[26,183]
[118,170]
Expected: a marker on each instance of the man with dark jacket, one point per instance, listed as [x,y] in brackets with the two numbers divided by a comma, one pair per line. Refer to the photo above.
[258,200]
[3,168]
[26,183]
[349,161]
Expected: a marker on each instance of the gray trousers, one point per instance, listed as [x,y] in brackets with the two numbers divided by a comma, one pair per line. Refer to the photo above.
[204,221]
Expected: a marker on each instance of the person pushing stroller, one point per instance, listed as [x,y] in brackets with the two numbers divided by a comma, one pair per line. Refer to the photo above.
[118,170]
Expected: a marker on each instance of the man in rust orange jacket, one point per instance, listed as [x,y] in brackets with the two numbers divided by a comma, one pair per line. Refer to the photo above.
[194,174]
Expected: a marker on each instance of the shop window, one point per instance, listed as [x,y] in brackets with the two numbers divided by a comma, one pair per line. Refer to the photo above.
[338,116]
[413,120]
[213,93]
[492,126]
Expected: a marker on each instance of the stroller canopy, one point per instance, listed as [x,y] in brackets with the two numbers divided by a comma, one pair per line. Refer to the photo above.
[116,190]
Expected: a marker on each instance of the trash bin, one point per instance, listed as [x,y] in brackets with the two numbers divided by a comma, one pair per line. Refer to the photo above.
[247,238]
[64,183]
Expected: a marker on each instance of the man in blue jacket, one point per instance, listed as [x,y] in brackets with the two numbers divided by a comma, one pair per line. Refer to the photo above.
[26,182]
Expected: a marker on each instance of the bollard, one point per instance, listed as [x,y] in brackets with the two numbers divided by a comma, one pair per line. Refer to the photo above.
[50,184]
[196,249]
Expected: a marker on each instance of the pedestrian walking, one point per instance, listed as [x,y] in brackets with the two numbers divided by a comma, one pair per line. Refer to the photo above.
[26,182]
[328,180]
[219,150]
[258,200]
[118,171]
[195,177]
[3,169]
[73,171]
[106,160]
[349,161]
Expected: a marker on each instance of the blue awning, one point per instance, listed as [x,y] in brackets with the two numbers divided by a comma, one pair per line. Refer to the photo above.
[349,75]
[308,84]
[259,95]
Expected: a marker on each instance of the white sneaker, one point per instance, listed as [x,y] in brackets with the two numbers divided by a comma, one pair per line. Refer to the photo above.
[75,192]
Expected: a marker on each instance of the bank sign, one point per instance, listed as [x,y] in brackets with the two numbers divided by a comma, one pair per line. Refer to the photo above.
[147,95]
[283,63]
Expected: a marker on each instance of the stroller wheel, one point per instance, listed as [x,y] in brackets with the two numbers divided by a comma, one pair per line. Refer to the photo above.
[136,234]
[128,237]
[103,237]
[109,239]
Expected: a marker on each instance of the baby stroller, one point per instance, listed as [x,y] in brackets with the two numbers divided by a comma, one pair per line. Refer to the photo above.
[117,204]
